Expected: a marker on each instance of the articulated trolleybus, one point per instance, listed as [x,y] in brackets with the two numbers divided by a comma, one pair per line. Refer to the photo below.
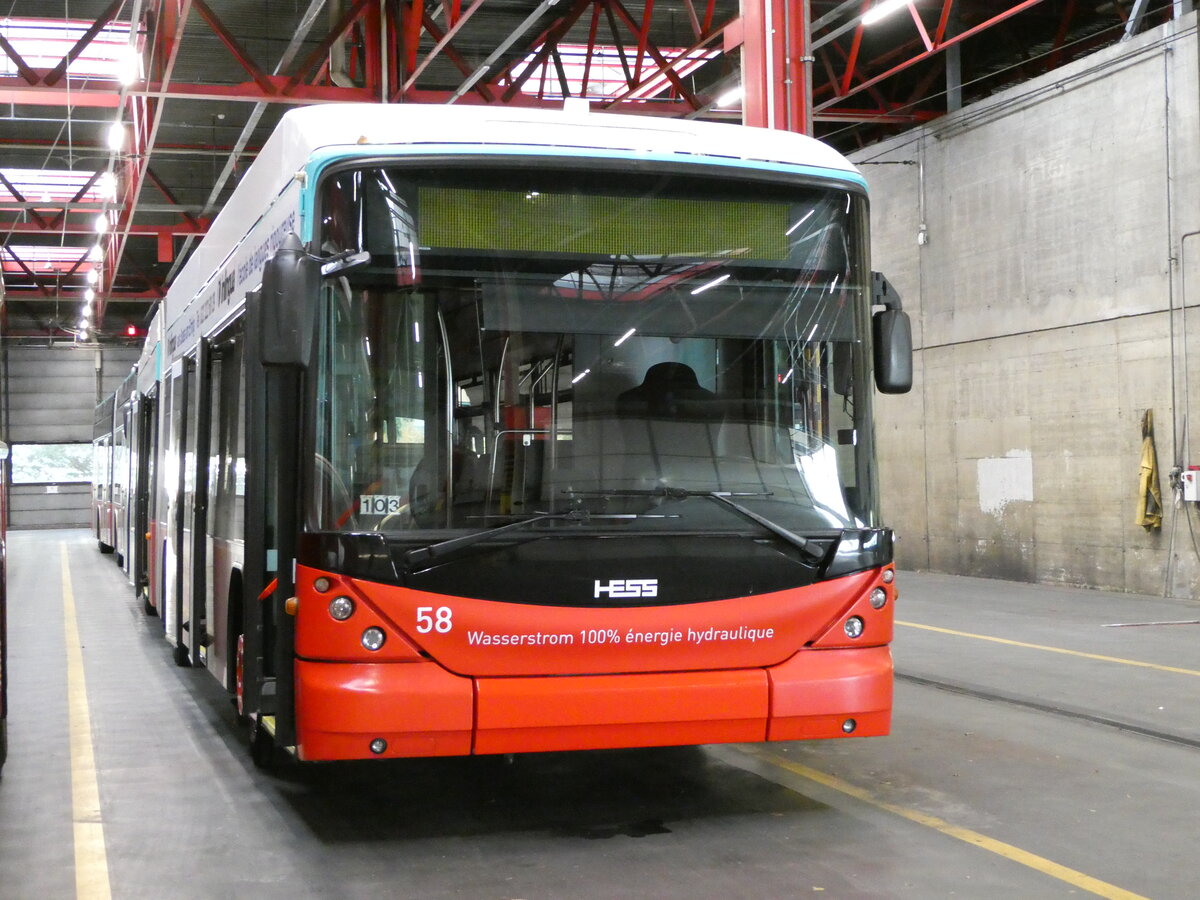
[491,430]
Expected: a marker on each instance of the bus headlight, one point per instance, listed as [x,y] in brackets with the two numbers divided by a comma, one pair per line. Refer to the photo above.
[854,627]
[373,638]
[878,598]
[341,608]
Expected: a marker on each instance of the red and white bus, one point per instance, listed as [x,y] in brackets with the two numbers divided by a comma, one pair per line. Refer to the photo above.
[482,431]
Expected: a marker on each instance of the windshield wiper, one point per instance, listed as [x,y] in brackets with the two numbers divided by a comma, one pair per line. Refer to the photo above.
[812,550]
[422,558]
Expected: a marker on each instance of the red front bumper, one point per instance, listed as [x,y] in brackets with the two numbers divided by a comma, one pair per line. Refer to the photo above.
[420,709]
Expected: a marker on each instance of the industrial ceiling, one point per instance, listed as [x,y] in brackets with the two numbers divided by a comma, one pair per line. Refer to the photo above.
[125,124]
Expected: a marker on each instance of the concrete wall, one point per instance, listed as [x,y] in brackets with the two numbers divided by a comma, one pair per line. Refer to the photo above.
[1038,241]
[50,393]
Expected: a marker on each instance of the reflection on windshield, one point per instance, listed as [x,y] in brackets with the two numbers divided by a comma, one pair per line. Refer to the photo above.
[820,472]
[462,388]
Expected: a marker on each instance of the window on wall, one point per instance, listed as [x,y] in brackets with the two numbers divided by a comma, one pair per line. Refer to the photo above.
[51,463]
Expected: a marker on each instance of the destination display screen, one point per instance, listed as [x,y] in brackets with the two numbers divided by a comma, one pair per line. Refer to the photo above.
[469,218]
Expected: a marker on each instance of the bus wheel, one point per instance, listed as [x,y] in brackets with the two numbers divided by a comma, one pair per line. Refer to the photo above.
[147,606]
[104,548]
[182,656]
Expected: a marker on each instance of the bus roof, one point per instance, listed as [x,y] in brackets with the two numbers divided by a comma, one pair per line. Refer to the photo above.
[309,132]
[306,130]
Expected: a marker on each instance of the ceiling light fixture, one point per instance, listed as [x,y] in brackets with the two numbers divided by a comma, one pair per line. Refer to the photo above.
[116,136]
[128,65]
[730,97]
[882,10]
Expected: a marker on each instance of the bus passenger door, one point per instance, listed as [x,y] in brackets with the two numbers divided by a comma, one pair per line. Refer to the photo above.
[180,479]
[144,566]
[224,547]
[195,509]
[120,482]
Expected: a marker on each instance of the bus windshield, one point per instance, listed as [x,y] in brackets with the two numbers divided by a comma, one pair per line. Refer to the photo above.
[603,349]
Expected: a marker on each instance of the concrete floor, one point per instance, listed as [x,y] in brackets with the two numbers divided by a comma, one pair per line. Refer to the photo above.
[1035,753]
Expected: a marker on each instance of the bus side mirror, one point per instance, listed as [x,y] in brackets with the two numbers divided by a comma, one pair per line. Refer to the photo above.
[892,339]
[291,286]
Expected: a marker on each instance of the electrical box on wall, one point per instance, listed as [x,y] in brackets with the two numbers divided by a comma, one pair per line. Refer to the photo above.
[1191,483]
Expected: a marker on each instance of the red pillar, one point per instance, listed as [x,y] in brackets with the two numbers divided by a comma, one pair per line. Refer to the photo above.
[775,65]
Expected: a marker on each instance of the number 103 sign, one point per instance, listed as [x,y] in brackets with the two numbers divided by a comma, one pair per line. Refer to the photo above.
[379,504]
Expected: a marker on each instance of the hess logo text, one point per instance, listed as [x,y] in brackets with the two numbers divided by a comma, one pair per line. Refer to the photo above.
[626,588]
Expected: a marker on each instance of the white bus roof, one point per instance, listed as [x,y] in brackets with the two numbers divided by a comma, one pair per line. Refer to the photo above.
[306,131]
[303,131]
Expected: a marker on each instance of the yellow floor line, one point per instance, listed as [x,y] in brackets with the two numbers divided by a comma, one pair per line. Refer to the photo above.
[91,860]
[995,640]
[1008,851]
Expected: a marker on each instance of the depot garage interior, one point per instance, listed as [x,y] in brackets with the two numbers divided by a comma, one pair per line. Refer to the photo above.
[534,449]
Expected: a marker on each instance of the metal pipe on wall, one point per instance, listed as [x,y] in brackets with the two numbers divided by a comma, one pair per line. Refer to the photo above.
[98,363]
